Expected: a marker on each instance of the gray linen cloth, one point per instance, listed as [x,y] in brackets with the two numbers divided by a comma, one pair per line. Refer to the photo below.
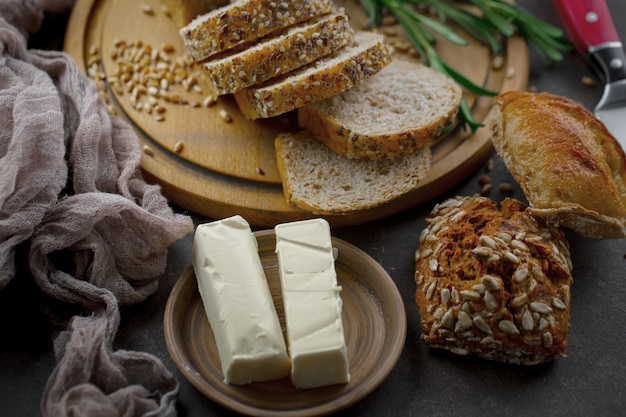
[72,194]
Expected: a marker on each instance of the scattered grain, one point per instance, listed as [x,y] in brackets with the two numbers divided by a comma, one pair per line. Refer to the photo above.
[225,116]
[506,188]
[148,150]
[498,62]
[510,73]
[587,81]
[147,9]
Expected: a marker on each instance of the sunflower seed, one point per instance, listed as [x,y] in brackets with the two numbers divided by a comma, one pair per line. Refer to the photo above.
[508,327]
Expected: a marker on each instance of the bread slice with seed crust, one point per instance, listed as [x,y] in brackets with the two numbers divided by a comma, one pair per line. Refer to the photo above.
[278,53]
[401,109]
[245,21]
[325,77]
[319,181]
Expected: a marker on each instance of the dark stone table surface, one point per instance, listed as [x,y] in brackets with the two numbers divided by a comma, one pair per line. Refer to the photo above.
[591,381]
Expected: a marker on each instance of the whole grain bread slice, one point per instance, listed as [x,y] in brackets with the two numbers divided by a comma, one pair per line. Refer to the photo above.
[401,109]
[319,181]
[325,77]
[278,53]
[245,21]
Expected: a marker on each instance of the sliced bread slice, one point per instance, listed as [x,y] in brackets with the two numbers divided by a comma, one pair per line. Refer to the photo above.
[401,109]
[319,181]
[278,53]
[245,21]
[330,75]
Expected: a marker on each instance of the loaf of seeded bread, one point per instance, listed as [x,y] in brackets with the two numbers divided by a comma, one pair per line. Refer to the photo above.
[401,109]
[319,181]
[493,283]
[278,53]
[330,75]
[245,21]
[571,169]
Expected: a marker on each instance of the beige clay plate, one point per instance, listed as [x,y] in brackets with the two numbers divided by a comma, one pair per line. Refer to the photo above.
[375,329]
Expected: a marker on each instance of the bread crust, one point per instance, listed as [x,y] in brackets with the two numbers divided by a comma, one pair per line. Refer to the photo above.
[336,122]
[245,21]
[321,79]
[279,54]
[494,284]
[571,169]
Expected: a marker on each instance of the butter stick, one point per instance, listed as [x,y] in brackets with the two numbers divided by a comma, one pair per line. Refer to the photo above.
[312,303]
[238,302]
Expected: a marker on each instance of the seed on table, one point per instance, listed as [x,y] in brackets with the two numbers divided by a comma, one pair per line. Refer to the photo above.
[225,116]
[147,9]
[506,188]
[489,166]
[178,147]
[166,10]
[484,179]
[497,63]
[587,81]
[209,101]
[148,150]
[485,190]
[510,73]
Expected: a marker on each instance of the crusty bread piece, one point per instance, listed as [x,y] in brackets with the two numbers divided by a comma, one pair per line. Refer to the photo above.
[571,169]
[493,283]
[319,181]
[279,53]
[245,21]
[331,75]
[401,109]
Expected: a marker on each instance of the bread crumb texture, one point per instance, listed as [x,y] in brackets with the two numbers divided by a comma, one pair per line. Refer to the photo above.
[319,181]
[404,107]
[493,282]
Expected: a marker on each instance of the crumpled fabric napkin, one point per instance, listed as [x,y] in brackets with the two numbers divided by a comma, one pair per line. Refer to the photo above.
[97,234]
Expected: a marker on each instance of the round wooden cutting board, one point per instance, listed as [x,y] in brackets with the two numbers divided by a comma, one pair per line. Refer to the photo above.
[218,167]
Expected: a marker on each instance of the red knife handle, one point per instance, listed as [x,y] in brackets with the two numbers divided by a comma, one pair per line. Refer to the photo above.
[588,22]
[591,29]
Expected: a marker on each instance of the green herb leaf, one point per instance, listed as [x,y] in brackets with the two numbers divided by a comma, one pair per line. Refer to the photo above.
[487,22]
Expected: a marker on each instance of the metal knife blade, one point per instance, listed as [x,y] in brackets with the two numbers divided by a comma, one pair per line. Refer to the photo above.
[592,31]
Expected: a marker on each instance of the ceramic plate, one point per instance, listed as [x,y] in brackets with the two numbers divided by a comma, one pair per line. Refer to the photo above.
[374,323]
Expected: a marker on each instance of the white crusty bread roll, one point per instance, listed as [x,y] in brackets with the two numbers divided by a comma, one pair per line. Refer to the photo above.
[401,109]
[571,169]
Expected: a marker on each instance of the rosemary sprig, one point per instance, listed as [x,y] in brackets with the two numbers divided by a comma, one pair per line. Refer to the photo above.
[488,22]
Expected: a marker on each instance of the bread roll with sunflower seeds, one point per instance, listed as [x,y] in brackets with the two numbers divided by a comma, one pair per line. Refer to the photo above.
[493,283]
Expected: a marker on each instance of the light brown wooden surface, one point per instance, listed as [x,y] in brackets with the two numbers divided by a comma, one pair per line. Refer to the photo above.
[230,168]
[374,325]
